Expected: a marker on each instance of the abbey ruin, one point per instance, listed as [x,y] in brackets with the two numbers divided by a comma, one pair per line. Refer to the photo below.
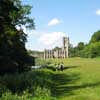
[59,52]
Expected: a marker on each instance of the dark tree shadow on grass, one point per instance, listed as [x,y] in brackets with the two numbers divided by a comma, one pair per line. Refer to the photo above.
[65,67]
[63,84]
[88,85]
[59,83]
[69,67]
[54,81]
[61,80]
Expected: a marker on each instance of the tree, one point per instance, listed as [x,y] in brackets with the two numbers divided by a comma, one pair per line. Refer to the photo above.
[75,51]
[91,50]
[95,37]
[71,50]
[13,54]
[57,48]
[80,46]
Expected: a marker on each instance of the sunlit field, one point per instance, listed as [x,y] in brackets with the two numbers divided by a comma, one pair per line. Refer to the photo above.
[80,79]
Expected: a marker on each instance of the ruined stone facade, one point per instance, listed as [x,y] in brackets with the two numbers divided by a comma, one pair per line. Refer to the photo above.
[60,52]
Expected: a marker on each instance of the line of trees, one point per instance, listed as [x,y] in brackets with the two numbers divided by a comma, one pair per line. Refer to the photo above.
[90,50]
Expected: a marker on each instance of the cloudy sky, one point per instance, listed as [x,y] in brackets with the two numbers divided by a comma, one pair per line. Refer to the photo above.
[78,19]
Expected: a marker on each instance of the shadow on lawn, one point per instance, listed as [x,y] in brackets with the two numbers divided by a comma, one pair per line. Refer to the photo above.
[55,81]
[65,67]
[64,84]
[59,83]
[69,67]
[88,85]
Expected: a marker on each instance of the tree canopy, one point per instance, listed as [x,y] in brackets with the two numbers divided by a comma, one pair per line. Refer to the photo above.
[80,46]
[13,54]
[95,37]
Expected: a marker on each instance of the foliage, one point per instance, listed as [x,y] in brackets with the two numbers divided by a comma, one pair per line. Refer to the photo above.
[41,94]
[13,55]
[71,50]
[34,52]
[75,51]
[92,50]
[95,37]
[80,46]
[57,48]
[35,85]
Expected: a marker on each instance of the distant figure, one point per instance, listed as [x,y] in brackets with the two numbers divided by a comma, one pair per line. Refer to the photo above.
[61,67]
[57,67]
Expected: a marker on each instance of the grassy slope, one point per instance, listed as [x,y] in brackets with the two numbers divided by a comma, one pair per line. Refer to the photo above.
[82,81]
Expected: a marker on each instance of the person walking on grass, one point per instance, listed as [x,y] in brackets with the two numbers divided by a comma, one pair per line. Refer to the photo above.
[62,67]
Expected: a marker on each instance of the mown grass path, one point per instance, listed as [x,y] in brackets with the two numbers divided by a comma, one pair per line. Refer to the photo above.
[79,81]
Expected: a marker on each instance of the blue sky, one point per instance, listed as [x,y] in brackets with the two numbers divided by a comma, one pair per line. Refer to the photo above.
[78,19]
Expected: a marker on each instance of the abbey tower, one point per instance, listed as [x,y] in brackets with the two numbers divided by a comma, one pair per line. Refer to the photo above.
[65,46]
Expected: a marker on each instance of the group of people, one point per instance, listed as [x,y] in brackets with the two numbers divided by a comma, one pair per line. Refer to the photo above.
[60,67]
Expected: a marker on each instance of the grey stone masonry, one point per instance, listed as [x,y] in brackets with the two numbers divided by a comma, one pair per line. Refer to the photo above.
[59,53]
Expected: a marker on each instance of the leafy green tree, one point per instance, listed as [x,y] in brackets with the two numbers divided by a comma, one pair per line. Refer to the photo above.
[57,48]
[75,51]
[80,46]
[13,55]
[93,48]
[71,50]
[95,37]
[91,51]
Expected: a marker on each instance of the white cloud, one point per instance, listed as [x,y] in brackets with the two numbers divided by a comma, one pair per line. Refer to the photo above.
[40,40]
[50,40]
[98,12]
[54,21]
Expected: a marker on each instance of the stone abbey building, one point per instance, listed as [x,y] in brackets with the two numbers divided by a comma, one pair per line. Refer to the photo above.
[58,52]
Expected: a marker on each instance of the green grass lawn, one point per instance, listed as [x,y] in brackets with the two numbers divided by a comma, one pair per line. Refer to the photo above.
[79,81]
